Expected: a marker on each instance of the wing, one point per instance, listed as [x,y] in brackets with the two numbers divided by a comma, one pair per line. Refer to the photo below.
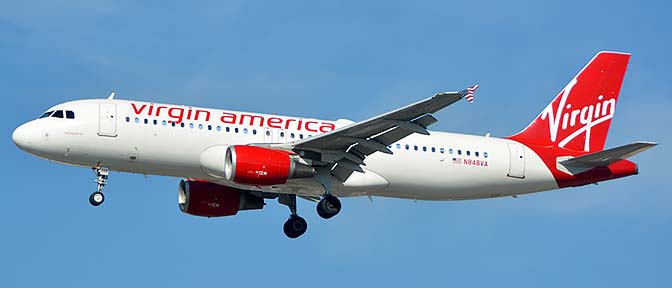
[344,149]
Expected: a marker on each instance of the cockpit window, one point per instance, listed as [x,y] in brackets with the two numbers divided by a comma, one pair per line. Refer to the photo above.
[58,114]
[46,114]
[69,114]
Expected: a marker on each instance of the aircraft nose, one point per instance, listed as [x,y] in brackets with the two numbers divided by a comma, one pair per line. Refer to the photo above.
[23,137]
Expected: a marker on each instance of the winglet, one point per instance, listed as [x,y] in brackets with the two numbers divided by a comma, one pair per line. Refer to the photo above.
[111,96]
[469,93]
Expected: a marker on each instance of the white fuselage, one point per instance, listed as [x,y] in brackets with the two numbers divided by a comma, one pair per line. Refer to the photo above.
[131,136]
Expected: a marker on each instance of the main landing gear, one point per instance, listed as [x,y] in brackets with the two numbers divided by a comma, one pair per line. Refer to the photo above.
[97,198]
[295,226]
[329,206]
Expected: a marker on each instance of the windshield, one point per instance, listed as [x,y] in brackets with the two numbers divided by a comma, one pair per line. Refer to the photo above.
[46,114]
[68,114]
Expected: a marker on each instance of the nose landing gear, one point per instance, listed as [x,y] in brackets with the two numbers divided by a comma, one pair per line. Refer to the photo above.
[96,198]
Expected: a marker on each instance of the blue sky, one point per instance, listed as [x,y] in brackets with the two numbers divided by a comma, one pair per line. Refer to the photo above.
[351,59]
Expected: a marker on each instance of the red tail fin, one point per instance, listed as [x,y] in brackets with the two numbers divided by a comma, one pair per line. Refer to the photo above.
[579,117]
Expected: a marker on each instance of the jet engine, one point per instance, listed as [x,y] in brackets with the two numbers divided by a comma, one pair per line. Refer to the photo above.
[261,166]
[208,199]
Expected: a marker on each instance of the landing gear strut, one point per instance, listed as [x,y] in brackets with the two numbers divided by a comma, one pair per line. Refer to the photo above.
[295,226]
[96,198]
[329,206]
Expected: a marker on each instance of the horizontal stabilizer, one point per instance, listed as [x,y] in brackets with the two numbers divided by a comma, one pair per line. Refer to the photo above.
[607,157]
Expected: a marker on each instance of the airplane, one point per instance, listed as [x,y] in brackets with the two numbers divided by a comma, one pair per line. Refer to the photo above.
[231,161]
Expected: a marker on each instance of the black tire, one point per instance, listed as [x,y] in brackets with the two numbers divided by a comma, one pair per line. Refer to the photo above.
[328,207]
[96,198]
[295,226]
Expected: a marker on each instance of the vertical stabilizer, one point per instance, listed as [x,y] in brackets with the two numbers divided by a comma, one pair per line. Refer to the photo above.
[579,117]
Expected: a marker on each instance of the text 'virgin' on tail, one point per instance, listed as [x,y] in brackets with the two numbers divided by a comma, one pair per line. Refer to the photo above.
[579,117]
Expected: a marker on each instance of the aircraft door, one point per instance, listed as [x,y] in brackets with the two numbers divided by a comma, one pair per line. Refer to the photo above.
[107,125]
[516,160]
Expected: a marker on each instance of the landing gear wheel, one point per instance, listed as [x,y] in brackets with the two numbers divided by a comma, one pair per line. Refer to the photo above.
[96,198]
[328,207]
[295,226]
[102,173]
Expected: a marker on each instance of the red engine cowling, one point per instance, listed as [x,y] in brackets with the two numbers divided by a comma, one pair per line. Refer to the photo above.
[261,166]
[207,199]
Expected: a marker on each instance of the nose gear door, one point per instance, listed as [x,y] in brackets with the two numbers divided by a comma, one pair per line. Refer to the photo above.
[107,125]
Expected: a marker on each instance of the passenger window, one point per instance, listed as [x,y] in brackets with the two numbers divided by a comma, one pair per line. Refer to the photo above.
[182,124]
[485,154]
[46,114]
[146,121]
[228,129]
[209,127]
[219,128]
[433,149]
[476,153]
[58,114]
[450,151]
[245,130]
[301,137]
[191,125]
[235,130]
[459,152]
[468,152]
[398,146]
[254,131]
[282,134]
[291,135]
[163,122]
[137,120]
[406,146]
[200,126]
[415,147]
[268,133]
[69,115]
[424,148]
[155,121]
[442,150]
[172,123]
[128,119]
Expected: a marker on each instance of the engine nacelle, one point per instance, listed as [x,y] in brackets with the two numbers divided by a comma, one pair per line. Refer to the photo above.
[207,199]
[262,166]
